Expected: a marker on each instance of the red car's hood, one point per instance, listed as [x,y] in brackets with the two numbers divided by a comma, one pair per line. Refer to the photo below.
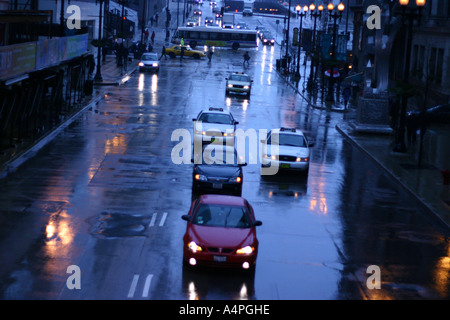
[222,237]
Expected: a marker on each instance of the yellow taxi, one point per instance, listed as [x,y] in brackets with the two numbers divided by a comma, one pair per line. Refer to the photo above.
[175,51]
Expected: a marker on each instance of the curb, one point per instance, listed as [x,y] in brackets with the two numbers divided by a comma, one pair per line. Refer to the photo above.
[394,177]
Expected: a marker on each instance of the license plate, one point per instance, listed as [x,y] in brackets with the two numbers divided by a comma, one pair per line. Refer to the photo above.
[217,186]
[285,166]
[220,258]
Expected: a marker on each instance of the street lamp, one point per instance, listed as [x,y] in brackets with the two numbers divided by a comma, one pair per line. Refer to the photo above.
[98,73]
[334,15]
[315,14]
[400,145]
[298,8]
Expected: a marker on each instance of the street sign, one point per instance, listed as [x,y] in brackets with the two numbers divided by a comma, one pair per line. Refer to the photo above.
[341,46]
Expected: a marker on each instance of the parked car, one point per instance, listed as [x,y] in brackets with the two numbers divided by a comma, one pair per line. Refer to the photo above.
[438,114]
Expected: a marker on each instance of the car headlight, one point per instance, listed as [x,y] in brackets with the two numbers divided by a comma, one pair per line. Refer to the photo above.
[235,180]
[302,159]
[229,85]
[246,87]
[194,247]
[200,177]
[155,64]
[272,41]
[141,64]
[245,250]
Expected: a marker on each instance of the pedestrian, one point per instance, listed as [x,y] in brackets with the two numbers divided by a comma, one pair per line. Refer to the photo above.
[182,42]
[346,93]
[163,53]
[210,54]
[156,20]
[246,58]
[146,35]
[153,37]
[182,53]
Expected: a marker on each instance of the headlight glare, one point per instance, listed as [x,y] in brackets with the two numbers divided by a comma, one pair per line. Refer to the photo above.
[200,177]
[245,250]
[194,247]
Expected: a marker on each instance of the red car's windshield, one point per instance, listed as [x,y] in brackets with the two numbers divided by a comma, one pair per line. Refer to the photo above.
[222,216]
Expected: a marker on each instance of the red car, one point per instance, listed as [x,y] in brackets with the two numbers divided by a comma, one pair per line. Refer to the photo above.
[221,232]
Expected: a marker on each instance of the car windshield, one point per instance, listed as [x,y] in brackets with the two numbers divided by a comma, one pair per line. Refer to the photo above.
[224,216]
[239,77]
[216,118]
[290,140]
[217,155]
[149,56]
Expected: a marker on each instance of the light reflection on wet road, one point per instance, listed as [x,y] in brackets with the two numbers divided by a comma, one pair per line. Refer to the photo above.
[106,196]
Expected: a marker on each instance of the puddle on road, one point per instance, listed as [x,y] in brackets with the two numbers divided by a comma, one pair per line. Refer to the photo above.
[118,225]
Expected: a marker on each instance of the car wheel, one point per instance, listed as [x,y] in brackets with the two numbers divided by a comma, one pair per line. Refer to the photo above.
[196,56]
[171,55]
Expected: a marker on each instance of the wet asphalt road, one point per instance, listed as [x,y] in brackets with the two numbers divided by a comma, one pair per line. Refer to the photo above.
[106,196]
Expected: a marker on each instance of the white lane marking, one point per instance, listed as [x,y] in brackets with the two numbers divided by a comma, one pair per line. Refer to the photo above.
[163,219]
[133,286]
[152,222]
[146,289]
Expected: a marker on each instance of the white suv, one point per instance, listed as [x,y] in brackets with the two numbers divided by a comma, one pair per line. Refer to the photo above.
[213,124]
[286,148]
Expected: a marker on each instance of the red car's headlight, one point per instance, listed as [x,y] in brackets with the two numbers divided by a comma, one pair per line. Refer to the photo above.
[245,250]
[194,247]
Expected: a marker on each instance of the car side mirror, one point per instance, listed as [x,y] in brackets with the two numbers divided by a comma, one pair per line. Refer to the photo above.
[186,217]
[226,78]
[257,223]
[194,119]
[236,122]
[243,164]
[311,144]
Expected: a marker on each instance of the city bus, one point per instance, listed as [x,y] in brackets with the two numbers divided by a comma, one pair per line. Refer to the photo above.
[216,37]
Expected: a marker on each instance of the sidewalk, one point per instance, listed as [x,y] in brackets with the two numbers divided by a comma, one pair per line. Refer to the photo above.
[111,76]
[425,183]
